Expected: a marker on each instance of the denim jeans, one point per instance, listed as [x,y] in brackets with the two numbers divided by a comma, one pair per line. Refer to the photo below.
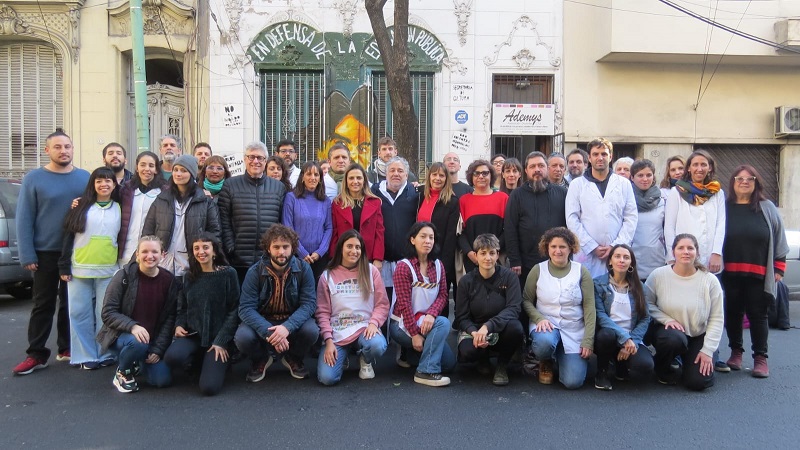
[86,295]
[130,350]
[48,292]
[370,349]
[258,349]
[547,345]
[436,357]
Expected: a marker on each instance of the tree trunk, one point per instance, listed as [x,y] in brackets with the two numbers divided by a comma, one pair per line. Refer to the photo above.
[394,56]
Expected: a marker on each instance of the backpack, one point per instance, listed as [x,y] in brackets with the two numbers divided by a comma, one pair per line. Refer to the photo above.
[778,312]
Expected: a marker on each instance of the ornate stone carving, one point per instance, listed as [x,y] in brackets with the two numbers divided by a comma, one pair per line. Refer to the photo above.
[234,9]
[487,130]
[152,20]
[454,64]
[523,22]
[75,43]
[161,17]
[462,10]
[524,58]
[347,10]
[10,22]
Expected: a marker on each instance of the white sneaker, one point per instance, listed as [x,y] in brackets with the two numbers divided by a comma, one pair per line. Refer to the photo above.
[366,372]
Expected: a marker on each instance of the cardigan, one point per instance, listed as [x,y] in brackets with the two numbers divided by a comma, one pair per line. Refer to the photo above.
[371,229]
[445,218]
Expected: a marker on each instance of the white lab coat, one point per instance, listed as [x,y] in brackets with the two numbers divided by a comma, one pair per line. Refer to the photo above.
[600,220]
[705,222]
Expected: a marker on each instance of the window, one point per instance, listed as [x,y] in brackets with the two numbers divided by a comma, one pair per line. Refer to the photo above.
[31,79]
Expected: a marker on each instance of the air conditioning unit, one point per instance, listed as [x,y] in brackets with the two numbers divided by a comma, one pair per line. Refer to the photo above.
[787,121]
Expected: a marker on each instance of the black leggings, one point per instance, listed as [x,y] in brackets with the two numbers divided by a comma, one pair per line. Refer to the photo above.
[511,338]
[746,294]
[606,347]
[184,352]
[671,343]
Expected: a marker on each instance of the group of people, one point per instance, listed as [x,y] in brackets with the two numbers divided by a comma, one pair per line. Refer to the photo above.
[179,267]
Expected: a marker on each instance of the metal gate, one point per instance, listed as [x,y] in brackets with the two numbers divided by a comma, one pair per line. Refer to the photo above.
[765,158]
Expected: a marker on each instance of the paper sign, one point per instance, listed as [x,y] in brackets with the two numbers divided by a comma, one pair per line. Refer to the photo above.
[462,93]
[461,143]
[235,163]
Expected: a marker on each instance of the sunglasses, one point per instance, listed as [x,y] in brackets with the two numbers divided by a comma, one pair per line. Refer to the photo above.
[481,173]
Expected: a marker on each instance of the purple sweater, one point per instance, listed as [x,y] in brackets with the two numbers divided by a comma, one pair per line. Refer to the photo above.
[307,216]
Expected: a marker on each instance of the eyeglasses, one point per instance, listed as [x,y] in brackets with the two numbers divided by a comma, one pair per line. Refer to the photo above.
[743,179]
[481,173]
[499,162]
[285,151]
[215,169]
[258,158]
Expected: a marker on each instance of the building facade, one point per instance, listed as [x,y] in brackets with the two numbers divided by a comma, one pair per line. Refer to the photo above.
[658,82]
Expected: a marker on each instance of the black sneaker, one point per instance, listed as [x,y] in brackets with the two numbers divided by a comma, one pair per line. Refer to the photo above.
[431,379]
[125,382]
[721,366]
[602,382]
[669,378]
[259,370]
[500,375]
[296,368]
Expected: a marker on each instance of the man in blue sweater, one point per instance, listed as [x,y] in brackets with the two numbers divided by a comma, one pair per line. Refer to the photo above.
[44,201]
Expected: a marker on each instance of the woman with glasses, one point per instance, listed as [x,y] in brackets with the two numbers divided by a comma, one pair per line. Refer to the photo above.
[482,210]
[213,175]
[498,160]
[754,254]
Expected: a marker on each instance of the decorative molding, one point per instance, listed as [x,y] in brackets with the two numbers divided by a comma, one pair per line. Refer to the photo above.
[462,11]
[523,22]
[178,18]
[57,24]
[454,64]
[559,119]
[347,10]
[524,58]
[234,10]
[487,130]
[11,22]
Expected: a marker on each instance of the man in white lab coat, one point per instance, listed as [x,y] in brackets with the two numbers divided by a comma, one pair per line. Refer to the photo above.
[600,209]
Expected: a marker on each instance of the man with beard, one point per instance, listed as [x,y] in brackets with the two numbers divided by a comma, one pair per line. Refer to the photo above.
[453,164]
[556,166]
[399,202]
[248,205]
[287,150]
[532,209]
[202,151]
[44,200]
[277,307]
[601,209]
[115,158]
[170,150]
[339,156]
[577,162]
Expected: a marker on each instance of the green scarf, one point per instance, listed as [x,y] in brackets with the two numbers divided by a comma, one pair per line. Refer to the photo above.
[214,188]
[338,178]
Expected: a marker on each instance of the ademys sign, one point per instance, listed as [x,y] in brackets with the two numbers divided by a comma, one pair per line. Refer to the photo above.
[523,119]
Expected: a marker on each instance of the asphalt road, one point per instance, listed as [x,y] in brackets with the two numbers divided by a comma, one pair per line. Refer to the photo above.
[62,407]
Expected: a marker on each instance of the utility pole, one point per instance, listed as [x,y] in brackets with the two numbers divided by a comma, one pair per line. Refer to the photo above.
[139,77]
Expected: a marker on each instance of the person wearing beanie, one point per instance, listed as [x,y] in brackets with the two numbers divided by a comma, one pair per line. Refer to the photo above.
[180,214]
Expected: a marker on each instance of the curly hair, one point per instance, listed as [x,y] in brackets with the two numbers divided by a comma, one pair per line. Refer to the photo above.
[558,232]
[477,163]
[279,232]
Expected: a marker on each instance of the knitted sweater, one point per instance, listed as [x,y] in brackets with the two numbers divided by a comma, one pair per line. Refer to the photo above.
[311,219]
[694,301]
[209,305]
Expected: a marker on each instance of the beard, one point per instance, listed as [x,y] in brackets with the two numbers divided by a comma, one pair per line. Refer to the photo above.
[538,185]
[169,157]
[277,263]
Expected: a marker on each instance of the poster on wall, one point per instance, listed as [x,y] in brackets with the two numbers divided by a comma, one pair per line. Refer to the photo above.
[527,119]
[235,163]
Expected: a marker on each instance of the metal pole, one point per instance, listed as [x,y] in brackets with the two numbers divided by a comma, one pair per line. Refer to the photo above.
[139,77]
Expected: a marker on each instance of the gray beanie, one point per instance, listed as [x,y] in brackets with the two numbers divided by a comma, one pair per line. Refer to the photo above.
[189,163]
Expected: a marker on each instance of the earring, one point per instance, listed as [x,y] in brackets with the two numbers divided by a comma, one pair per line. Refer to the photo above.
[631,269]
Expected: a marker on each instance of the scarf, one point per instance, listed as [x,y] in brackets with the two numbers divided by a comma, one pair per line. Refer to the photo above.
[647,200]
[214,188]
[380,167]
[338,178]
[697,193]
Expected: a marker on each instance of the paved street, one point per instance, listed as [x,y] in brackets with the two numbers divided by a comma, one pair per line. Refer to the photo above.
[62,407]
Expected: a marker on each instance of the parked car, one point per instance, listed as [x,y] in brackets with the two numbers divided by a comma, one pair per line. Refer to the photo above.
[16,281]
[792,274]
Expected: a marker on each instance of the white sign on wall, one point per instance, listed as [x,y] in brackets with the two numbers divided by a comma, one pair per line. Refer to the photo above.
[523,119]
[461,143]
[462,93]
[235,163]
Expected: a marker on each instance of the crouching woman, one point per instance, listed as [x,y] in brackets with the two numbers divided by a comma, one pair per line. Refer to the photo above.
[138,318]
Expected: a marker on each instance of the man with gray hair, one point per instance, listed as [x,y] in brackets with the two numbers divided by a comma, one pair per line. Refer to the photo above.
[399,207]
[532,209]
[248,205]
[170,148]
[556,169]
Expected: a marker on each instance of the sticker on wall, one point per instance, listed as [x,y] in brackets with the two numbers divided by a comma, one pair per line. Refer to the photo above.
[461,117]
[235,163]
[461,143]
[232,118]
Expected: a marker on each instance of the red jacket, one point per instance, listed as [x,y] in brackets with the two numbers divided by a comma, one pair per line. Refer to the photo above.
[371,228]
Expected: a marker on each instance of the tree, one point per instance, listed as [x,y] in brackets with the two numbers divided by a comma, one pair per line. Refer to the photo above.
[395,56]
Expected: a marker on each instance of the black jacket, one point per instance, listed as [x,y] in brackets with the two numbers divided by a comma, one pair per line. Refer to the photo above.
[201,216]
[493,302]
[247,208]
[445,218]
[397,220]
[528,216]
[209,306]
[118,307]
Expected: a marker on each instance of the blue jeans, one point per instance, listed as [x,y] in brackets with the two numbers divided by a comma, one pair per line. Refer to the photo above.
[130,350]
[436,357]
[86,303]
[370,349]
[547,345]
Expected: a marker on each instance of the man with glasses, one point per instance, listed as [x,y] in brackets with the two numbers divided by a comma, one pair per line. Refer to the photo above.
[287,150]
[248,205]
